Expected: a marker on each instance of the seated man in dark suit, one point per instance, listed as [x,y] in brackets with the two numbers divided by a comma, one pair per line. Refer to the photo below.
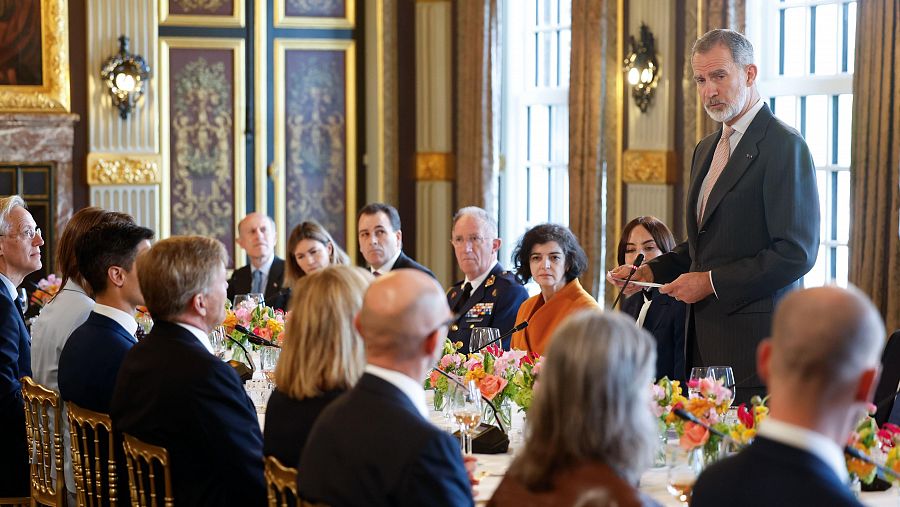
[374,446]
[265,273]
[173,392]
[821,366]
[489,296]
[381,240]
[20,255]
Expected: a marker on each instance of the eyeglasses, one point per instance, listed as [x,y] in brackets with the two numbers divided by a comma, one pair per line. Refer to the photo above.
[28,234]
[473,239]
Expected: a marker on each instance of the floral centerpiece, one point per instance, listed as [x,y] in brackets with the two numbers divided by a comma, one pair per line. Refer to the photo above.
[710,404]
[744,430]
[263,321]
[880,444]
[47,289]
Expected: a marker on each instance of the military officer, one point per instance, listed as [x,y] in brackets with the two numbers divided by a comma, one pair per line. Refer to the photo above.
[489,296]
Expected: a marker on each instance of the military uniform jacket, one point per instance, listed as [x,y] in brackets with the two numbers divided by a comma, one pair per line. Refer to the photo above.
[493,304]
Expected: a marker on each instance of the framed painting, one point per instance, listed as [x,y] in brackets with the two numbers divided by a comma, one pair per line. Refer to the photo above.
[315,13]
[202,94]
[315,136]
[212,13]
[34,56]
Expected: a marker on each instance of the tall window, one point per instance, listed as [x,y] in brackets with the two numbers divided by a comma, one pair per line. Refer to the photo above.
[534,126]
[805,52]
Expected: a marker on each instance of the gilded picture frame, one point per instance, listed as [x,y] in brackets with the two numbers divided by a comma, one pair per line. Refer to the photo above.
[205,15]
[52,93]
[304,17]
[237,132]
[280,136]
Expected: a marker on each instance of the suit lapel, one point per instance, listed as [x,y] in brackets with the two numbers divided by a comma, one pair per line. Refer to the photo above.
[478,294]
[105,322]
[744,155]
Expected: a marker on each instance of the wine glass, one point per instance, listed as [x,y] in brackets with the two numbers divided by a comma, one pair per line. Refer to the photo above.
[725,374]
[255,299]
[217,340]
[482,336]
[466,406]
[268,358]
[685,466]
[698,373]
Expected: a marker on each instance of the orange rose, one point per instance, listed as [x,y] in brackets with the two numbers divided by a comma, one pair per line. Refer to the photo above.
[491,385]
[694,436]
[435,376]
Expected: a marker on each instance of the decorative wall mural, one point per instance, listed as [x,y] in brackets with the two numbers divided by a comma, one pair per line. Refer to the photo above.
[201,12]
[314,13]
[320,8]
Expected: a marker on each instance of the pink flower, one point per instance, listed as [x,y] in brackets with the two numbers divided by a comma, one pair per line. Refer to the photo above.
[243,314]
[694,436]
[657,409]
[263,332]
[475,361]
[657,392]
[693,383]
[491,385]
[449,360]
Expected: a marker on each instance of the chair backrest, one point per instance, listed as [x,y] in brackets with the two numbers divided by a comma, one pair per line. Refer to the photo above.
[143,461]
[92,440]
[281,483]
[44,443]
[890,377]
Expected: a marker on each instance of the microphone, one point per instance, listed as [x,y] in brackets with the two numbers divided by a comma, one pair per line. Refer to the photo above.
[456,381]
[856,453]
[637,263]
[238,366]
[687,416]
[520,326]
[255,338]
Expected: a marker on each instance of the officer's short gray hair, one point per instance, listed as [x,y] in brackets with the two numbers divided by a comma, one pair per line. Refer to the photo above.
[489,223]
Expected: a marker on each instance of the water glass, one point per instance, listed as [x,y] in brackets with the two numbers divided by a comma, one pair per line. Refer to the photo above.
[725,374]
[698,373]
[684,467]
[482,336]
[218,341]
[466,406]
[255,298]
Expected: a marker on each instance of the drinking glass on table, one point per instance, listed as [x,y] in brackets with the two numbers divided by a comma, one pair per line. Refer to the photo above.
[466,406]
[725,374]
[698,373]
[218,341]
[481,336]
[255,298]
[683,470]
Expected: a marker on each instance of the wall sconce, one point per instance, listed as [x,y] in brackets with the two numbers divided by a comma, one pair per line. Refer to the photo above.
[642,68]
[124,75]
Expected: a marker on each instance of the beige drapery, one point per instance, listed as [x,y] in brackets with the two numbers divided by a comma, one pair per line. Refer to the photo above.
[477,55]
[874,244]
[585,89]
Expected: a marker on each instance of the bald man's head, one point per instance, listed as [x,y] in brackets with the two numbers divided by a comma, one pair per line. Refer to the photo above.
[825,337]
[400,310]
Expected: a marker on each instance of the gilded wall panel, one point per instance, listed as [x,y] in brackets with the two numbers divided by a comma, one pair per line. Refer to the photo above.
[201,12]
[315,136]
[315,13]
[203,128]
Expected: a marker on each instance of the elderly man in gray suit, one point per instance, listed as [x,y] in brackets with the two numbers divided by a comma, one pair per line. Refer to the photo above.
[753,217]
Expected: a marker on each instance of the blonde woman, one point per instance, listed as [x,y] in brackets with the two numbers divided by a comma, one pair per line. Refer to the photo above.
[322,357]
[589,426]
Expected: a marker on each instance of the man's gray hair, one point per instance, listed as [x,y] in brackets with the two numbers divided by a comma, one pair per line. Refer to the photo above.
[740,47]
[486,219]
[6,206]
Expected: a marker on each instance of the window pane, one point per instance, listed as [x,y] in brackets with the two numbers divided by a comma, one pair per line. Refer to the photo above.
[547,12]
[538,188]
[559,115]
[565,12]
[827,36]
[538,134]
[565,51]
[845,112]
[843,206]
[816,276]
[795,37]
[842,265]
[545,58]
[786,110]
[817,128]
[559,177]
[851,36]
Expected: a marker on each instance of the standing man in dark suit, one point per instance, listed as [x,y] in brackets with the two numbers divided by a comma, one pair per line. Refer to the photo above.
[173,392]
[489,296]
[402,459]
[265,273]
[752,217]
[20,254]
[381,240]
[821,366]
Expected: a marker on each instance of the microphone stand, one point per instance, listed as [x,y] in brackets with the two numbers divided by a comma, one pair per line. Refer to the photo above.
[520,326]
[634,267]
[855,453]
[246,354]
[456,381]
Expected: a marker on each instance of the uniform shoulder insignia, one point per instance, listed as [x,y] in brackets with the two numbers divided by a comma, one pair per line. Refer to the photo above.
[489,281]
[452,293]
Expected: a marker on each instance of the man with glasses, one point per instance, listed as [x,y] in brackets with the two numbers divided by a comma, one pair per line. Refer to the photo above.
[489,296]
[20,255]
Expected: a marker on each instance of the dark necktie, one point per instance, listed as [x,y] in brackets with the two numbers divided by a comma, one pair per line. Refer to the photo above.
[894,417]
[467,291]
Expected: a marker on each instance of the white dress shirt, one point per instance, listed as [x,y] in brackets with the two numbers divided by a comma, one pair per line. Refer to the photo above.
[121,318]
[807,440]
[201,336]
[386,267]
[49,333]
[412,389]
[480,279]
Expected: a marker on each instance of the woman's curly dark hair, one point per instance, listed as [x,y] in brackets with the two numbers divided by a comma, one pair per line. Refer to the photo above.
[576,259]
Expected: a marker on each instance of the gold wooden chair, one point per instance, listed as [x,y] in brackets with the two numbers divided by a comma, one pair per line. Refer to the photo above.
[140,457]
[281,483]
[87,430]
[45,446]
[24,501]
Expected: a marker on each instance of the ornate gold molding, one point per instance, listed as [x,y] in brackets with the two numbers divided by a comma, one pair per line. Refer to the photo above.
[105,169]
[434,167]
[650,166]
[52,95]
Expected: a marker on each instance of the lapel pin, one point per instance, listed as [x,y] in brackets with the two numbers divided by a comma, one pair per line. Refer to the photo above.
[749,156]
